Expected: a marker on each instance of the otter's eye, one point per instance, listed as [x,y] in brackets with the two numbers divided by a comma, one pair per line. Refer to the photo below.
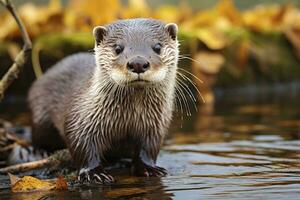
[157,48]
[119,49]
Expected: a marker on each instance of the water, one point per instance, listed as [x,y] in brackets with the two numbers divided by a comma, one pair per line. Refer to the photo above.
[229,151]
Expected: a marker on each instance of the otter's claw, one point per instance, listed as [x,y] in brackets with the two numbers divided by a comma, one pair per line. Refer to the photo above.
[156,171]
[94,176]
[146,170]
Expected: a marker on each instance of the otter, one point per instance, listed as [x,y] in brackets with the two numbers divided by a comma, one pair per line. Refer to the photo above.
[115,103]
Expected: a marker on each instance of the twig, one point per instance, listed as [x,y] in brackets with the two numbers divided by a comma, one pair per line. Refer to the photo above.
[22,57]
[37,69]
[59,158]
[25,166]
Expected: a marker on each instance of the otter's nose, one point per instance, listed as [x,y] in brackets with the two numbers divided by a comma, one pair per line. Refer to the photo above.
[138,65]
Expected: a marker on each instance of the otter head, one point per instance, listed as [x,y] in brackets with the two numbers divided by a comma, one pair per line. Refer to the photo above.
[137,52]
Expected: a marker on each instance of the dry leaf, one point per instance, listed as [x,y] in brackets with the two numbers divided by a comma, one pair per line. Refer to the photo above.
[82,14]
[37,19]
[13,179]
[172,13]
[266,18]
[207,68]
[29,183]
[136,8]
[209,26]
[212,38]
[293,35]
[167,13]
[226,8]
[203,19]
[242,53]
[209,63]
[61,183]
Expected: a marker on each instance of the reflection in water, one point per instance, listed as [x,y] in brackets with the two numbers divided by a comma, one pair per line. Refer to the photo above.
[230,152]
[236,152]
[126,187]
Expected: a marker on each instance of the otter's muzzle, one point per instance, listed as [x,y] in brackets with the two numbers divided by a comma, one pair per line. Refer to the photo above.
[138,65]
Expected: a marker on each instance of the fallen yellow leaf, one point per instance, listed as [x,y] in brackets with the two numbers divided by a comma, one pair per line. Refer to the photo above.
[13,179]
[61,183]
[29,183]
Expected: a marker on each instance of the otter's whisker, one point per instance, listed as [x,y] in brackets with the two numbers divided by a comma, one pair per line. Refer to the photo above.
[191,74]
[186,88]
[181,107]
[189,58]
[193,84]
[188,113]
[178,99]
[188,91]
[175,104]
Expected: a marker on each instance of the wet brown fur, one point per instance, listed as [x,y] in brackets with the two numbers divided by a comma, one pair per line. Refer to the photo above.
[74,103]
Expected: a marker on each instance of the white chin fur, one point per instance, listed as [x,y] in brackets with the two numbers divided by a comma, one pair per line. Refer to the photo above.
[121,78]
[154,76]
[149,76]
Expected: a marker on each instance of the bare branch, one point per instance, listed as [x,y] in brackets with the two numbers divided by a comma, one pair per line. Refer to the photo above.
[22,57]
[3,2]
[25,166]
[61,157]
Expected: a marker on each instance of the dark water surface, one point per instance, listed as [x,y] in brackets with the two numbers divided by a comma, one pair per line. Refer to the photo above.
[227,151]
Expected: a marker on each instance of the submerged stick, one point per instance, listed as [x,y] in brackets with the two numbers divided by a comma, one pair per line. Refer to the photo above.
[22,57]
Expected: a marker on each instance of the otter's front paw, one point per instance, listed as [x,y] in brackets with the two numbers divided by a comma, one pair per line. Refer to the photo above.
[95,175]
[146,170]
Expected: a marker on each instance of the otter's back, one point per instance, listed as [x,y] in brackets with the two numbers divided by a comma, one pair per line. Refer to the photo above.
[50,94]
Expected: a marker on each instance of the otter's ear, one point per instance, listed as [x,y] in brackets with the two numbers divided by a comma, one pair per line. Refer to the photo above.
[99,32]
[172,29]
